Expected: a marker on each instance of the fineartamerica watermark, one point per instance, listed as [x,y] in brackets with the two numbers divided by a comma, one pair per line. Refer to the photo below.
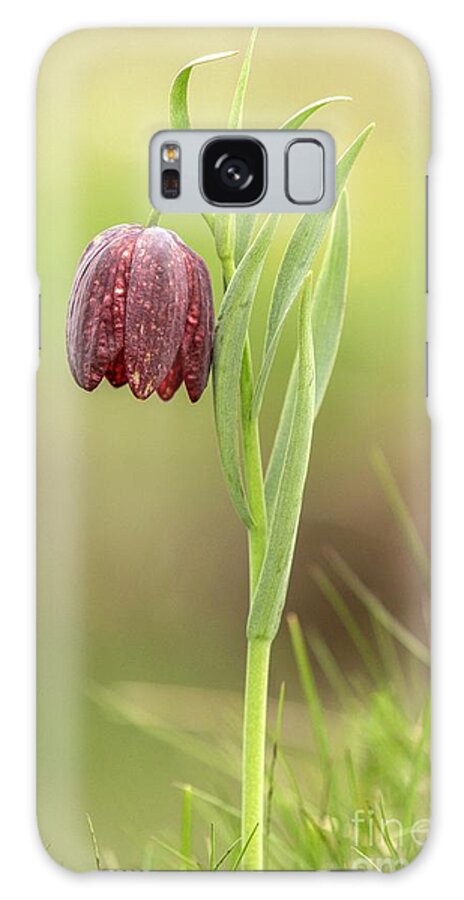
[370,829]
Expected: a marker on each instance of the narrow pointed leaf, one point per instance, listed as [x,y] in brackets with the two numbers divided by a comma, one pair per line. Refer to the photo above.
[236,110]
[224,235]
[296,263]
[246,221]
[327,317]
[229,344]
[329,304]
[300,117]
[179,115]
[269,598]
[226,224]
[279,448]
[244,224]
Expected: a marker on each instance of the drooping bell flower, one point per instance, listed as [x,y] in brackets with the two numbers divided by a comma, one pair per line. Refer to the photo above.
[141,313]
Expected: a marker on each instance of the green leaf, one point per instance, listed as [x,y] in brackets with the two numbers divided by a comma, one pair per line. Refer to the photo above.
[244,224]
[246,221]
[229,343]
[179,116]
[236,110]
[227,224]
[327,316]
[224,235]
[269,598]
[279,448]
[329,305]
[296,263]
[300,117]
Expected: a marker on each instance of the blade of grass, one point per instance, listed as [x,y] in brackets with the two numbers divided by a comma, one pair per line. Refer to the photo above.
[211,799]
[191,863]
[114,705]
[186,829]
[338,604]
[308,684]
[329,666]
[366,858]
[387,652]
[352,779]
[93,838]
[401,513]
[330,846]
[226,854]
[212,848]
[383,827]
[376,608]
[244,849]
[420,768]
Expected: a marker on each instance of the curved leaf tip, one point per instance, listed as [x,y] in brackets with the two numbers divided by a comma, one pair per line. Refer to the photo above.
[300,117]
[179,116]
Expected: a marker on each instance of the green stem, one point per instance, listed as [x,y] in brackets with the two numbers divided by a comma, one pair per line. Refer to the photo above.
[253,472]
[252,459]
[258,651]
[153,218]
[254,751]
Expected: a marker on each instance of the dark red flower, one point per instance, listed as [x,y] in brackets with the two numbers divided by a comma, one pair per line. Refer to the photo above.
[141,313]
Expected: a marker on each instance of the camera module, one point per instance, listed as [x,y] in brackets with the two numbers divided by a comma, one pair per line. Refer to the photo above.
[233,171]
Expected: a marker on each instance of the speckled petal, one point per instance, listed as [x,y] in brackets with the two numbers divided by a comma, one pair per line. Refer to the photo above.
[156,310]
[96,313]
[116,371]
[198,338]
[173,380]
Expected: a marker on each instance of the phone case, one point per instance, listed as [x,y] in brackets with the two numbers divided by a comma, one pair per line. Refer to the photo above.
[233,594]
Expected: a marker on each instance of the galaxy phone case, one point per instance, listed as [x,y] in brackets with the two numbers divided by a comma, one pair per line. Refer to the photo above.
[233,463]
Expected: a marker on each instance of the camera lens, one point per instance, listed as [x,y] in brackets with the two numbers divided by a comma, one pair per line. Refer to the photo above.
[233,171]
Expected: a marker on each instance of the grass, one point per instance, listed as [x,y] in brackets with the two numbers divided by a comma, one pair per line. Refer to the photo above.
[351,790]
[355,794]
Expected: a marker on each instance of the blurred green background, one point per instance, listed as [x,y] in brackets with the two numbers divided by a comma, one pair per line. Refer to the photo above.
[142,561]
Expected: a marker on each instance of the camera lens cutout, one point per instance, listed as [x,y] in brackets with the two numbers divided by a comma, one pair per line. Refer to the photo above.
[233,171]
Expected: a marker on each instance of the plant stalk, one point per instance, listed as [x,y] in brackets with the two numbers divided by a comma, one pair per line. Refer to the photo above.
[254,750]
[258,651]
[253,472]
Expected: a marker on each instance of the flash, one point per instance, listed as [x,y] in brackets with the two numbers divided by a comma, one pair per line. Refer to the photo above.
[170,153]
